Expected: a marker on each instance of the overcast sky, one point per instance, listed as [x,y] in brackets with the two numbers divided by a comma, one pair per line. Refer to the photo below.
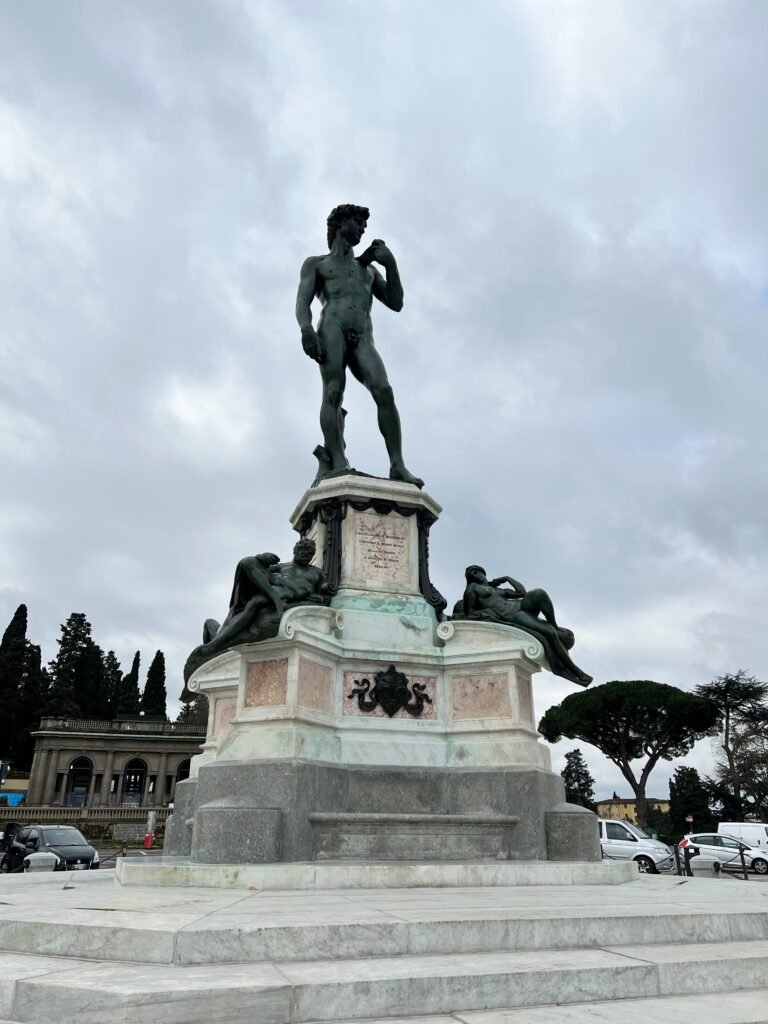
[577,196]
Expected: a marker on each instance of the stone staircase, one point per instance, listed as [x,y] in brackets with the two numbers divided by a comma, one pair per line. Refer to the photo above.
[85,950]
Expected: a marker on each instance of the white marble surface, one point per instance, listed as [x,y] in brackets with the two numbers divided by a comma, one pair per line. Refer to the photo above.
[332,990]
[287,957]
[393,875]
[749,1007]
[271,722]
[359,488]
[482,713]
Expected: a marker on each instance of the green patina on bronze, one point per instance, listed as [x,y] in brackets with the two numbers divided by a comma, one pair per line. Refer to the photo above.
[346,285]
[530,610]
[262,590]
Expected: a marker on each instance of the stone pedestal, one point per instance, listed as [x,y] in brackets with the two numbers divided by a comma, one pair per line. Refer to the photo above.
[372,707]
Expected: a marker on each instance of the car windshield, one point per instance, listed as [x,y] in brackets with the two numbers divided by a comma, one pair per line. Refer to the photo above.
[731,841]
[636,830]
[63,837]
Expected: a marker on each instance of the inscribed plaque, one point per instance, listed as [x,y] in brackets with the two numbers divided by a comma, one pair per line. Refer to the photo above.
[382,548]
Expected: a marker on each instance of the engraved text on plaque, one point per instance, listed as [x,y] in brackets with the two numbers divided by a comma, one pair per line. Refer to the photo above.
[382,548]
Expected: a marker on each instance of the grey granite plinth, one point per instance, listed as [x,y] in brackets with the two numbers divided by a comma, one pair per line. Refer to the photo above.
[299,789]
[233,831]
[178,826]
[572,833]
[396,837]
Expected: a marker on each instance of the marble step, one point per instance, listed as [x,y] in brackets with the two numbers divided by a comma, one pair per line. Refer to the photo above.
[749,1007]
[82,992]
[281,929]
[320,875]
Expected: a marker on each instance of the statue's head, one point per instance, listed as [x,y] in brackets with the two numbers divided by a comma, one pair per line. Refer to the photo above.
[304,551]
[351,220]
[475,574]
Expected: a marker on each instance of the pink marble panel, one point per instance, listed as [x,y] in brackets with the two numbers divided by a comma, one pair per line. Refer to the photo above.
[479,696]
[267,683]
[351,706]
[315,686]
[226,708]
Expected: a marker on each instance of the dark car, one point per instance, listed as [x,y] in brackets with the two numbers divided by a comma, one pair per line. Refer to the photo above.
[65,842]
[9,830]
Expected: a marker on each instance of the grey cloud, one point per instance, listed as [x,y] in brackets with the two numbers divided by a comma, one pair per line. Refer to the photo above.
[580,218]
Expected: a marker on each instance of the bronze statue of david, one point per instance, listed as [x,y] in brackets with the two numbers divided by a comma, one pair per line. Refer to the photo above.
[346,285]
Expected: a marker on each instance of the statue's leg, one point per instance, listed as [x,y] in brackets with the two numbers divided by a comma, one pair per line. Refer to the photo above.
[236,625]
[538,601]
[366,364]
[210,628]
[552,635]
[334,375]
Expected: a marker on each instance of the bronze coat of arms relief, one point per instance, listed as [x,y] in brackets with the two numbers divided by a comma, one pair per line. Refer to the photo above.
[392,692]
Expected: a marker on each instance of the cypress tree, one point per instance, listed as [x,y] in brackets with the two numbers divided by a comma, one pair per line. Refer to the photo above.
[688,796]
[111,676]
[579,784]
[154,697]
[194,710]
[72,670]
[13,656]
[34,693]
[128,696]
[90,683]
[60,700]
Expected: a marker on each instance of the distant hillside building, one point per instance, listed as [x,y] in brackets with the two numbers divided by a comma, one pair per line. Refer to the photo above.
[626,810]
[132,761]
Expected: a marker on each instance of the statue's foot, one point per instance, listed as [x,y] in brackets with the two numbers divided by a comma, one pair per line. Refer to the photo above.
[399,472]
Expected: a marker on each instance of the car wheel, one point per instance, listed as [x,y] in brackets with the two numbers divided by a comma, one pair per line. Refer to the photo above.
[5,866]
[645,865]
[760,866]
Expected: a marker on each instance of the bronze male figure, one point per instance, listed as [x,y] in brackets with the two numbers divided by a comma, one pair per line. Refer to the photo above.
[346,285]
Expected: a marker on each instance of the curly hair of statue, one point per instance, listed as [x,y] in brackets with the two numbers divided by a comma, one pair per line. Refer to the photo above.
[337,215]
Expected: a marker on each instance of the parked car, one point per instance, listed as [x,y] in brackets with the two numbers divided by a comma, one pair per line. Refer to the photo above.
[10,828]
[726,850]
[70,847]
[753,833]
[621,840]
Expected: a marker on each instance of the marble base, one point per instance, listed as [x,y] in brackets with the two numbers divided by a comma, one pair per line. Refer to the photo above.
[299,695]
[301,724]
[292,792]
[176,872]
[396,837]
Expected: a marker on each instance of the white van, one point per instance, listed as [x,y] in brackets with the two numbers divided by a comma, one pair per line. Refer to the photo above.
[751,833]
[621,840]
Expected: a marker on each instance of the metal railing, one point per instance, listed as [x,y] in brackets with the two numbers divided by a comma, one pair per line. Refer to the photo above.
[729,869]
[114,813]
[95,725]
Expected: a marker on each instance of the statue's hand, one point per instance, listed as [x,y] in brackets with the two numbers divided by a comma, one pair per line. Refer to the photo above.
[310,342]
[380,252]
